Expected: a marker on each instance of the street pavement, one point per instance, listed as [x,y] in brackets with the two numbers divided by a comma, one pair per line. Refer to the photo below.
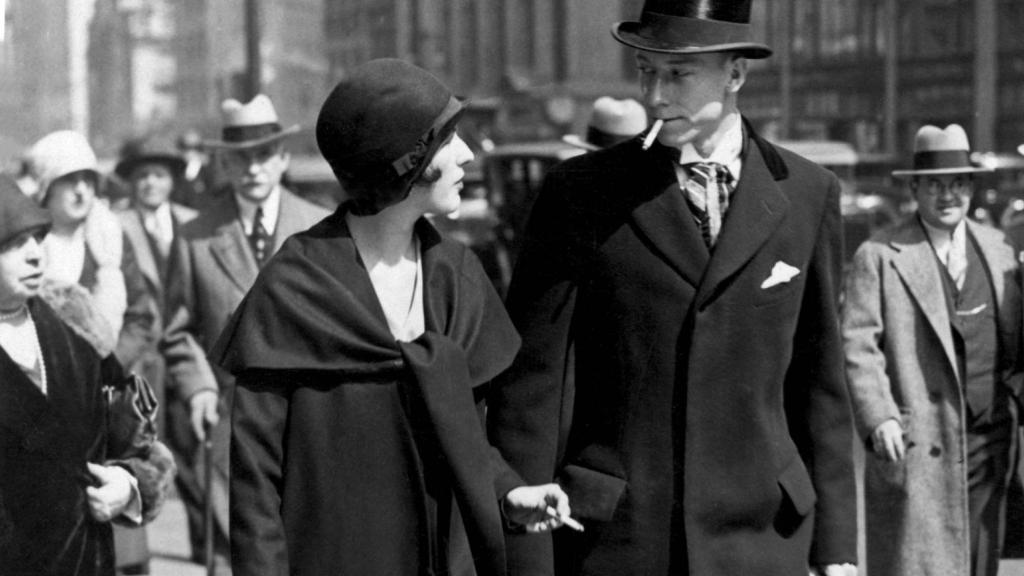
[168,543]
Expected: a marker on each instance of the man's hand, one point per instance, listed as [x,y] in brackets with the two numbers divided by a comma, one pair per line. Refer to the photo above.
[887,441]
[108,500]
[529,506]
[835,570]
[203,412]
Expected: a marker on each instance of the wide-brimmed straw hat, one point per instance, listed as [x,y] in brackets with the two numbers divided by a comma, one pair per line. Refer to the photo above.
[940,151]
[149,149]
[611,122]
[250,125]
[692,27]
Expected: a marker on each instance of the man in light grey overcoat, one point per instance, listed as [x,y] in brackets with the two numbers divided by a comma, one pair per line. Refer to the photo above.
[932,334]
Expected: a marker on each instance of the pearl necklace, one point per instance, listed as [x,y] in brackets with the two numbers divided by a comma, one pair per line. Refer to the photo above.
[17,313]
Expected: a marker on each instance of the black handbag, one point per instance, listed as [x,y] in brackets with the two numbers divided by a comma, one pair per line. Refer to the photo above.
[131,418]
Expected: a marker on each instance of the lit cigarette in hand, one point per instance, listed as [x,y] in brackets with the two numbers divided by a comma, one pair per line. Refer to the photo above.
[653,133]
[567,520]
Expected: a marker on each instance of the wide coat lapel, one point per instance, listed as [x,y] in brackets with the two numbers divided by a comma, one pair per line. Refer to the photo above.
[756,209]
[666,221]
[229,245]
[294,216]
[916,264]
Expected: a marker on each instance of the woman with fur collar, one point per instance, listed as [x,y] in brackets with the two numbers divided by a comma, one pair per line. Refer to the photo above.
[67,470]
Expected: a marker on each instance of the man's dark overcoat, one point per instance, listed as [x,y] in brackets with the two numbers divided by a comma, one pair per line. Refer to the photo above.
[350,451]
[708,429]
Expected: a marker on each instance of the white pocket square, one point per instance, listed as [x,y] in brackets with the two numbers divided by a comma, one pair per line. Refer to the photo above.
[781,273]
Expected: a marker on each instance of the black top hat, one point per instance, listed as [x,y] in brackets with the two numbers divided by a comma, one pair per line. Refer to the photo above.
[149,149]
[18,212]
[380,127]
[692,27]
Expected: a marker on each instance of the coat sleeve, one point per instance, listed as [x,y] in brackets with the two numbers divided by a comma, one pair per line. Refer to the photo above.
[258,421]
[863,330]
[187,366]
[525,407]
[817,402]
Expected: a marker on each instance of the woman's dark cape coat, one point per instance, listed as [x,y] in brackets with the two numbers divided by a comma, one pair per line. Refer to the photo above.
[351,452]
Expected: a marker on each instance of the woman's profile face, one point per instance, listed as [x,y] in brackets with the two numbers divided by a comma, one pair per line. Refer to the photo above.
[443,194]
[21,270]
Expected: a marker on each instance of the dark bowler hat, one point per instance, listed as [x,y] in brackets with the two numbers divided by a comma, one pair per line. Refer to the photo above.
[18,212]
[380,127]
[250,125]
[941,151]
[149,149]
[692,27]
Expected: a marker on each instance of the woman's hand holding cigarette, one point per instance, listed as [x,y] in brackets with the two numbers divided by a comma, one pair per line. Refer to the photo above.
[539,508]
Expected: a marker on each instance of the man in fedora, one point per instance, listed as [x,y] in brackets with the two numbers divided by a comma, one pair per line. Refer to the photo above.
[611,121]
[932,335]
[222,252]
[681,371]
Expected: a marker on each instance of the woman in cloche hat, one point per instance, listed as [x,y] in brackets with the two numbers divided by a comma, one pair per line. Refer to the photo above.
[67,470]
[359,354]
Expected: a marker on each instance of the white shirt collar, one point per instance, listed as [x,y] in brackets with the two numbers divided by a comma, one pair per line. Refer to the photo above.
[943,240]
[728,153]
[159,221]
[271,207]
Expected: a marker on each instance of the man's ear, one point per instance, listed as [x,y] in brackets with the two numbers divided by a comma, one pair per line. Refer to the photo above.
[737,73]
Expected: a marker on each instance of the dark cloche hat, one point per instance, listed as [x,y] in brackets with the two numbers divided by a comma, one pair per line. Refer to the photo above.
[692,27]
[149,149]
[18,212]
[380,127]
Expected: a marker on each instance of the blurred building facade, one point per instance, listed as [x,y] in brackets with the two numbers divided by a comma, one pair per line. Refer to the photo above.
[872,71]
[36,64]
[865,71]
[166,65]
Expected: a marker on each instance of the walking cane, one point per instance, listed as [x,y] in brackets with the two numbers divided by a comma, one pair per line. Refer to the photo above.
[208,497]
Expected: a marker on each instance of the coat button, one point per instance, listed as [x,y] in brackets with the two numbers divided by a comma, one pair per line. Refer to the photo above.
[935,451]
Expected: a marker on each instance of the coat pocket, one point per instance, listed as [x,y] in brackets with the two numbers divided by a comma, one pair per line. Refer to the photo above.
[796,485]
[592,494]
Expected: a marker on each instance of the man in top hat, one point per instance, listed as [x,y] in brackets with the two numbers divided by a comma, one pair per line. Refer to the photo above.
[221,254]
[611,121]
[681,372]
[932,335]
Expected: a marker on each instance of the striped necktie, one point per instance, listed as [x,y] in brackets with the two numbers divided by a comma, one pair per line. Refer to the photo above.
[707,189]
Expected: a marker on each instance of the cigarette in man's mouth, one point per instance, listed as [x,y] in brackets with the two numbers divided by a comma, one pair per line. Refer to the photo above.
[567,520]
[653,133]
